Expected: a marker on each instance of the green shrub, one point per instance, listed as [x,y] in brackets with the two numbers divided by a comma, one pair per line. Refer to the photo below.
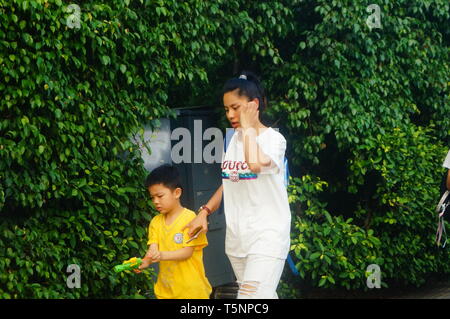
[329,250]
[71,180]
[364,111]
[71,97]
[403,204]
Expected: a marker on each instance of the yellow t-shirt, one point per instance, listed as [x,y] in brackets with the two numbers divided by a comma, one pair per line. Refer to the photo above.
[183,279]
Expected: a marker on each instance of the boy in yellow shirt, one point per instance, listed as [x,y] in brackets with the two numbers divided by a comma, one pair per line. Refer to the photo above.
[181,271]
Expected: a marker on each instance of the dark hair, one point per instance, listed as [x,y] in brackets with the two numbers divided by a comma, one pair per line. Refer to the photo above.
[250,87]
[166,174]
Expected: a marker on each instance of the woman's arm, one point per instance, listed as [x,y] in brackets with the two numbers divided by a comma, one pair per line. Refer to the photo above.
[254,156]
[214,202]
[201,220]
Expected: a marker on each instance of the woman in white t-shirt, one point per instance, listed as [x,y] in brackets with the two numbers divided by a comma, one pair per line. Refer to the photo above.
[256,205]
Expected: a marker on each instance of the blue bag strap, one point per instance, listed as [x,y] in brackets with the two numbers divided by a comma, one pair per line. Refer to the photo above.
[292,265]
[286,172]
[228,135]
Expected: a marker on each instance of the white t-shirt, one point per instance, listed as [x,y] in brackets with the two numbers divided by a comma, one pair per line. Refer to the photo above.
[257,212]
[447,161]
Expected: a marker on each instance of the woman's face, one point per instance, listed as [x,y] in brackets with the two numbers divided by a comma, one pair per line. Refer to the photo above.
[233,104]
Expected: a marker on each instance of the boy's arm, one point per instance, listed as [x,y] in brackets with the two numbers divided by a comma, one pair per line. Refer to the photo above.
[152,249]
[177,255]
[151,256]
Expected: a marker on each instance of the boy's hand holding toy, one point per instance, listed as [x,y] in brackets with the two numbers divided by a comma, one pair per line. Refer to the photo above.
[130,264]
[152,256]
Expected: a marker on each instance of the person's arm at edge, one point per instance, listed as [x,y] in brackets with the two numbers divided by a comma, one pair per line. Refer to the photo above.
[448,179]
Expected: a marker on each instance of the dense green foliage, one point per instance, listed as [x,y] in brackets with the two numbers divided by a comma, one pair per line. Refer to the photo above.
[329,249]
[365,113]
[71,180]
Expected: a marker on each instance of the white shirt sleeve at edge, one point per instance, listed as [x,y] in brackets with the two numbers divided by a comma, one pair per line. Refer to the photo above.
[447,161]
[275,152]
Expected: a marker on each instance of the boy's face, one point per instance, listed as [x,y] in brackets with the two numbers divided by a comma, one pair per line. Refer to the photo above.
[164,198]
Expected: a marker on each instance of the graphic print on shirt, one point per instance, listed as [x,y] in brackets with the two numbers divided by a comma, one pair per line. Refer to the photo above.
[178,238]
[236,171]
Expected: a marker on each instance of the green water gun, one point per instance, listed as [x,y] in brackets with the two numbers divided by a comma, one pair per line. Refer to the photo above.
[130,264]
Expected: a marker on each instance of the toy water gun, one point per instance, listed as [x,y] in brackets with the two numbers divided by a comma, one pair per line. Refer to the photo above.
[130,264]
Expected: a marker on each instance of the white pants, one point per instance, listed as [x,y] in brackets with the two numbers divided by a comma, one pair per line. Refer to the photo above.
[258,276]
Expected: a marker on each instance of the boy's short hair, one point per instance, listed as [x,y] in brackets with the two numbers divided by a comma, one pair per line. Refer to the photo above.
[166,175]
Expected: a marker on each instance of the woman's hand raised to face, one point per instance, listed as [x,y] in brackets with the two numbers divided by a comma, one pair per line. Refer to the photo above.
[249,116]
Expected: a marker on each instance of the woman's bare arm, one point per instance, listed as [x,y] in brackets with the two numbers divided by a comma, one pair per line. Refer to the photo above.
[201,220]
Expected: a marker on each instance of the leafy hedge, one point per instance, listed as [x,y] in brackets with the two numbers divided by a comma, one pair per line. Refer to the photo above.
[71,182]
[364,111]
[70,179]
[330,250]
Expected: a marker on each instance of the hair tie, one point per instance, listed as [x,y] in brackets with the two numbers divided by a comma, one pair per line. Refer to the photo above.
[243,76]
